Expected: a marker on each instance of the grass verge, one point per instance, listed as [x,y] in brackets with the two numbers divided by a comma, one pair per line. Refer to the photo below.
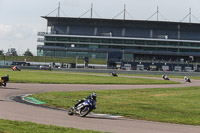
[51,59]
[30,76]
[8,126]
[173,105]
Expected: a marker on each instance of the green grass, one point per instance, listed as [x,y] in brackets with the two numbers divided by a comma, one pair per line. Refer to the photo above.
[30,76]
[52,59]
[173,105]
[159,76]
[7,126]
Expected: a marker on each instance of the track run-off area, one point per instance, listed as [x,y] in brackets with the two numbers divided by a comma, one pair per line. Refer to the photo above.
[11,110]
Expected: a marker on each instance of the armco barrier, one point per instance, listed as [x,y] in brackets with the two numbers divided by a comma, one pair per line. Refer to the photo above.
[27,67]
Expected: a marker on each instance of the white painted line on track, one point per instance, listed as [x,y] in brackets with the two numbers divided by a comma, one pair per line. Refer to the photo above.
[106,115]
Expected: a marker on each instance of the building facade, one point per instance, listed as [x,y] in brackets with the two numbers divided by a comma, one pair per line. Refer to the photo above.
[122,41]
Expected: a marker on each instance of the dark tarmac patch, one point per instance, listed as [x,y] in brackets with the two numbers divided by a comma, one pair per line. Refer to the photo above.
[19,99]
[102,116]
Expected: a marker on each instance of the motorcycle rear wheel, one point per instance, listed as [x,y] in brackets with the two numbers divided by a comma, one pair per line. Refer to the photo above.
[70,112]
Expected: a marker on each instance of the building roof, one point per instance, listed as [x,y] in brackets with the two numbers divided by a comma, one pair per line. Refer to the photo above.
[119,23]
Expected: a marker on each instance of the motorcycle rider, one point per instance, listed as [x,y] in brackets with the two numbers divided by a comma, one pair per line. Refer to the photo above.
[165,77]
[113,74]
[187,79]
[4,80]
[16,68]
[91,97]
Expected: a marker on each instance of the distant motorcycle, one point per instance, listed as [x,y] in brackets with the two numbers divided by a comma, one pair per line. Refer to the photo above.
[113,74]
[83,108]
[165,77]
[187,79]
[4,80]
[16,68]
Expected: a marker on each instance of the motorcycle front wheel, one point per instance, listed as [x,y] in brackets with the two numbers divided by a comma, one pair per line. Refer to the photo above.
[84,111]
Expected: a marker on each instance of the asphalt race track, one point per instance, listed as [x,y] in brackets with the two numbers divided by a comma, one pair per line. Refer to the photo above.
[12,110]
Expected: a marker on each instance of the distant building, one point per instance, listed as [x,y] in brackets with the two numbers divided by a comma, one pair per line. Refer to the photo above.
[1,52]
[121,41]
[11,51]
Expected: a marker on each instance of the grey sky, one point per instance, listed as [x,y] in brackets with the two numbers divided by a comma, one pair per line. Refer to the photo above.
[20,19]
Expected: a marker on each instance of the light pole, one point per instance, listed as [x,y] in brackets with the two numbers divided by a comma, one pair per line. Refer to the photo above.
[4,59]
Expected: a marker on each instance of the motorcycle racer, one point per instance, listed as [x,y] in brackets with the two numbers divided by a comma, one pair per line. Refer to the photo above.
[91,97]
[4,80]
[165,77]
[187,79]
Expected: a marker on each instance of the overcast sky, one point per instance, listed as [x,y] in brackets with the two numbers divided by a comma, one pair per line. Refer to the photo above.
[20,19]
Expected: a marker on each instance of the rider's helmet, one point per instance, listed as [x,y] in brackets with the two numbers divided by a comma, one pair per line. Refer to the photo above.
[93,96]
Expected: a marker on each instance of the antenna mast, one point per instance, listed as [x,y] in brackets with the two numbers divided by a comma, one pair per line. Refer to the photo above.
[157,12]
[59,9]
[124,11]
[190,13]
[91,9]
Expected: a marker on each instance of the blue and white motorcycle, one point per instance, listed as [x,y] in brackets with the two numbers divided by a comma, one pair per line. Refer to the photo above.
[84,108]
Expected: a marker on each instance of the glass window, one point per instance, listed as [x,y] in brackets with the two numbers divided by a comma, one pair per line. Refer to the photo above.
[184,44]
[103,55]
[60,53]
[139,42]
[49,53]
[60,44]
[173,43]
[129,41]
[151,43]
[82,45]
[82,54]
[194,45]
[103,46]
[71,54]
[118,41]
[50,38]
[128,56]
[95,40]
[40,52]
[61,38]
[73,39]
[93,46]
[84,39]
[106,40]
[172,49]
[50,44]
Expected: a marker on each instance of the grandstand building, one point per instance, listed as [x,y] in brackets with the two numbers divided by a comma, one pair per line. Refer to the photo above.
[138,44]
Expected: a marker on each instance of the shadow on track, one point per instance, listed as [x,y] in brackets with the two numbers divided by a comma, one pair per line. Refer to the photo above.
[4,100]
[6,88]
